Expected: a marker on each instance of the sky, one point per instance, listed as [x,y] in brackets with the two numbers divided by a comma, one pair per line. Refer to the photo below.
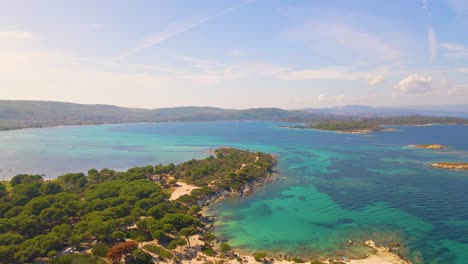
[235,54]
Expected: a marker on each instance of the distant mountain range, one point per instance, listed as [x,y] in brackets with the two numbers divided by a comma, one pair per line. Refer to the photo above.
[369,111]
[25,114]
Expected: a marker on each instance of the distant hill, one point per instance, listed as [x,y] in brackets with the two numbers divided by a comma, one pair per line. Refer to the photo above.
[369,111]
[24,114]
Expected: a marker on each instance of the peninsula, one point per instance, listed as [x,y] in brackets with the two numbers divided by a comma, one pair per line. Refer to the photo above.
[143,215]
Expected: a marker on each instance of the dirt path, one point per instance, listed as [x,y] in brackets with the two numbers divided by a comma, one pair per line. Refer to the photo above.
[245,164]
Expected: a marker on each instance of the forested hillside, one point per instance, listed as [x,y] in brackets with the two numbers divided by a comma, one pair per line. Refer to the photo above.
[107,212]
[24,114]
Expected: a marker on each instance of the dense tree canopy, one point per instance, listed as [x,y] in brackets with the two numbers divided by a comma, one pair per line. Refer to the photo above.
[41,218]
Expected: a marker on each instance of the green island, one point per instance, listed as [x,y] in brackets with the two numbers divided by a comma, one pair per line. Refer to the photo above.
[428,146]
[373,124]
[143,215]
[451,165]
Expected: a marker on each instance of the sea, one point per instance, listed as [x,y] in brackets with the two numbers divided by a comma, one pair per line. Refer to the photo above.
[330,193]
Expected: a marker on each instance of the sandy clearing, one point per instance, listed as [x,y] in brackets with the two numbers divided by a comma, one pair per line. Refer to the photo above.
[181,189]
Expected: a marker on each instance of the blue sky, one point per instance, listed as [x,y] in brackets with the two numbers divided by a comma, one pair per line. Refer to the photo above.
[235,54]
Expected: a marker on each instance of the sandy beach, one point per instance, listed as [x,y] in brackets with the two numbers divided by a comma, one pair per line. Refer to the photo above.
[182,189]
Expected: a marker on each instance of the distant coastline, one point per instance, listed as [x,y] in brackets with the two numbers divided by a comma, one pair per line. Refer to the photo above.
[369,125]
[37,114]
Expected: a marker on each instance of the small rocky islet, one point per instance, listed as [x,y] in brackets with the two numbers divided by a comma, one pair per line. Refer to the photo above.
[428,146]
[451,165]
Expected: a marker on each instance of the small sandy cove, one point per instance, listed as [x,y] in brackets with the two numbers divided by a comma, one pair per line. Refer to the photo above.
[182,189]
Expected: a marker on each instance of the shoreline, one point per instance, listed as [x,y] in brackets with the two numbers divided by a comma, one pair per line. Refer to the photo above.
[428,146]
[143,122]
[381,255]
[450,165]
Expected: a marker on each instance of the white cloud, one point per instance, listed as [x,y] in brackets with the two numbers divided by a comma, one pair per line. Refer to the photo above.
[415,84]
[375,79]
[432,45]
[455,50]
[176,29]
[462,70]
[16,35]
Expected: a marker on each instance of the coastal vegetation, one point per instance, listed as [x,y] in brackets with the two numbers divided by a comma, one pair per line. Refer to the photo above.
[109,213]
[364,125]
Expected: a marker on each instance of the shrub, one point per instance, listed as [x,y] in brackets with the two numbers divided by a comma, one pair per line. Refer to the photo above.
[259,256]
[298,260]
[161,252]
[208,251]
[100,249]
[225,247]
[316,262]
[51,254]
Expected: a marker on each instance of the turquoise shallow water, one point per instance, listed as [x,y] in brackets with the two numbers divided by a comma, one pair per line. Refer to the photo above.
[331,187]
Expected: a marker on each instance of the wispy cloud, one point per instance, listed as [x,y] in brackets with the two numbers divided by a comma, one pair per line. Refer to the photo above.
[247,69]
[16,35]
[327,73]
[334,73]
[432,44]
[342,39]
[375,79]
[177,29]
[455,50]
[199,62]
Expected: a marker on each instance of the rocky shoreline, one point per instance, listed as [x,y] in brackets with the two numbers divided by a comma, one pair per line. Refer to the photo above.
[428,146]
[382,255]
[451,165]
